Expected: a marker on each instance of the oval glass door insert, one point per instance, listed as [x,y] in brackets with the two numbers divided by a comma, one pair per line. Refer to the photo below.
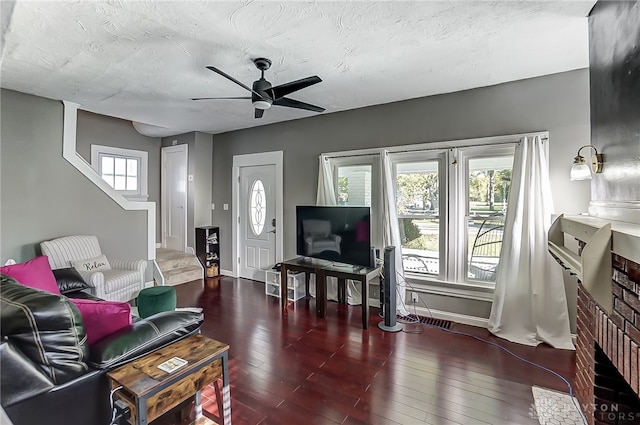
[258,207]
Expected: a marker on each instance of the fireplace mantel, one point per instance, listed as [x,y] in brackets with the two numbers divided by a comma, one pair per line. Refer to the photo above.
[599,237]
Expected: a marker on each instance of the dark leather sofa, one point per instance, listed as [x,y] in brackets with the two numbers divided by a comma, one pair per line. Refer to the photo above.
[48,373]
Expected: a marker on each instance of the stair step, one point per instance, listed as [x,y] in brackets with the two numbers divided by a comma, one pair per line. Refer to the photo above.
[181,275]
[178,267]
[174,260]
[177,263]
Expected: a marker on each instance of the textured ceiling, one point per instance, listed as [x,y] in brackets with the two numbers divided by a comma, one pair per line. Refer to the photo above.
[144,60]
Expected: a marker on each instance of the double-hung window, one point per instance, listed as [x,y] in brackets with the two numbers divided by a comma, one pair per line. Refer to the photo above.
[451,205]
[420,188]
[125,170]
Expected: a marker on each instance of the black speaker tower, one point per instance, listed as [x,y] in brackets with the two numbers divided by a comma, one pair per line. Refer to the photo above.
[388,292]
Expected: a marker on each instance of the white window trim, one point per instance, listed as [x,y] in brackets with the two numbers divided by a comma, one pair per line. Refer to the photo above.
[142,156]
[441,156]
[475,290]
[462,186]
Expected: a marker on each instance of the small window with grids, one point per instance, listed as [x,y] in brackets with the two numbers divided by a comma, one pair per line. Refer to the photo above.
[123,169]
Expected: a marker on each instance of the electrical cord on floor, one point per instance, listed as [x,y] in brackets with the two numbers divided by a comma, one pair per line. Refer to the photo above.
[113,409]
[409,319]
[415,320]
[514,355]
[405,320]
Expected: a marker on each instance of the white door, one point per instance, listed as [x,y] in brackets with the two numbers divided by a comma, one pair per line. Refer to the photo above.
[258,211]
[174,197]
[257,220]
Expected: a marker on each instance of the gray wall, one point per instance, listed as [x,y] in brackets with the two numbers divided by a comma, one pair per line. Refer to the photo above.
[203,179]
[615,99]
[199,151]
[43,196]
[558,103]
[94,129]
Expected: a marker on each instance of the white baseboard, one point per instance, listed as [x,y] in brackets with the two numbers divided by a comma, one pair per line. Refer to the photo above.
[158,245]
[480,322]
[149,284]
[439,314]
[226,272]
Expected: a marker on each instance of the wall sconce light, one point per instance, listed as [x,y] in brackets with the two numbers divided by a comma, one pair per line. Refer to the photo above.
[580,170]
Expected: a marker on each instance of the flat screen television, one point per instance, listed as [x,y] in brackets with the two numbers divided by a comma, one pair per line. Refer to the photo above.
[338,234]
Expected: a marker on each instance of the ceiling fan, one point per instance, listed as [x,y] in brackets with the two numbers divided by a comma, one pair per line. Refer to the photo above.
[263,95]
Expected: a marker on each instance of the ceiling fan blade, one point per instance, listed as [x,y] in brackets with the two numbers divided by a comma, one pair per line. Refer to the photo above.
[286,88]
[225,75]
[259,113]
[292,103]
[218,98]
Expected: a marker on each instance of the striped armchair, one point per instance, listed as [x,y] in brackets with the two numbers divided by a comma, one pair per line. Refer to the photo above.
[121,283]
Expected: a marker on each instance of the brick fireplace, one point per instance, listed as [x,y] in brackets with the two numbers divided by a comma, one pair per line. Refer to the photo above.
[608,350]
[609,333]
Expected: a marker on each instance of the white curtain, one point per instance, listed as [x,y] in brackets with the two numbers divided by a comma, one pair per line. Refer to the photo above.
[529,305]
[326,192]
[391,230]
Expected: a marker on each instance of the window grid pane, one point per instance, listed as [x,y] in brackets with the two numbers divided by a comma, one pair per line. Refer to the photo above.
[417,202]
[121,173]
[119,183]
[488,182]
[354,185]
[120,166]
[107,165]
[132,183]
[132,167]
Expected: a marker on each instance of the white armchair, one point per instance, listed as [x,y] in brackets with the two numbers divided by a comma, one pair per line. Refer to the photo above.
[120,283]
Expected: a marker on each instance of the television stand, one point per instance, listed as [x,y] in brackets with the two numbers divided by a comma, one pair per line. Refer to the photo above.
[322,271]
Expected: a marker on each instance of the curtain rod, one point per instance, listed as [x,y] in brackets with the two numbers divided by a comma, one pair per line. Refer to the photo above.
[543,138]
[511,142]
[359,155]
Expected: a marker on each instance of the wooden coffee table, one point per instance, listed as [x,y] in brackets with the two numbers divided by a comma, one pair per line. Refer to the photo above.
[150,391]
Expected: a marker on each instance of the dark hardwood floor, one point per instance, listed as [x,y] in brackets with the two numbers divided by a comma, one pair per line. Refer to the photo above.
[299,369]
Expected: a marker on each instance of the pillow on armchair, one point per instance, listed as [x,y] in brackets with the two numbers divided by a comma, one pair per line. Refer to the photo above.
[96,264]
[35,273]
[69,280]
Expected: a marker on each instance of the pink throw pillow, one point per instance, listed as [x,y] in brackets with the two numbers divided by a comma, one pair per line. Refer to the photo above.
[35,273]
[102,318]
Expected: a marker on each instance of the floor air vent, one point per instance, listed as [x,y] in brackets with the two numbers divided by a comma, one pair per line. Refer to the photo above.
[441,323]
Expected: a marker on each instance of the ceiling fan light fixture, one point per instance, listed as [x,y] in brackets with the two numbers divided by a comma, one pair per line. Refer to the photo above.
[262,104]
[263,94]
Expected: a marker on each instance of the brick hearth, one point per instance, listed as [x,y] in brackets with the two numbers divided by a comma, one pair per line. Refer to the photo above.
[618,336]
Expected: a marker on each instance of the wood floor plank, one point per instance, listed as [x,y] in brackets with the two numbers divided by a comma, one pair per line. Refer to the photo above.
[296,368]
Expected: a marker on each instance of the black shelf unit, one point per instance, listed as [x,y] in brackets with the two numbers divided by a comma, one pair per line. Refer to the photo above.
[208,249]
